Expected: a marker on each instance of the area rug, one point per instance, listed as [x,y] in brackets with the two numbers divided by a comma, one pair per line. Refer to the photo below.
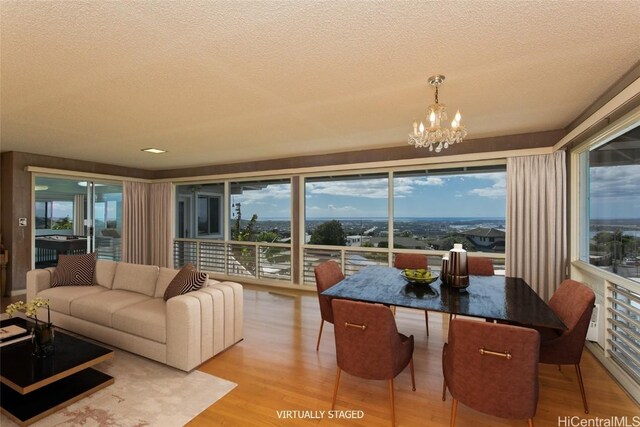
[145,393]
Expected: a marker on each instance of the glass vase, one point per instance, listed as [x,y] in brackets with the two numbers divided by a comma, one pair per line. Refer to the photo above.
[42,340]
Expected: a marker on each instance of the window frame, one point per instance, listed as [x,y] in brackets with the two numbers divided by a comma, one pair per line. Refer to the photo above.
[579,205]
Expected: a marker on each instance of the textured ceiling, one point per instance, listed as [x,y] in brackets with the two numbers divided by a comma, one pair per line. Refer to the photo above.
[217,82]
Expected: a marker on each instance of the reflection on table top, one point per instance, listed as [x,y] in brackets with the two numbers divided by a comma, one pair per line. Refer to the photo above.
[491,297]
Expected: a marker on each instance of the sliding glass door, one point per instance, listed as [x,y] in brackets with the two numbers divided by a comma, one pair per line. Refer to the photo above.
[73,216]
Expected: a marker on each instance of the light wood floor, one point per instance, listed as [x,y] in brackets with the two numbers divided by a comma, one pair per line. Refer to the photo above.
[277,368]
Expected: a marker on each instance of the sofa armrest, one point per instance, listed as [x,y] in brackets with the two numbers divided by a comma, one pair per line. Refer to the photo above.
[183,332]
[37,281]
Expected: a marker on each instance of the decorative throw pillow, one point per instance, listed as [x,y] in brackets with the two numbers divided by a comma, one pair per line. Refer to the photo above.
[187,280]
[74,270]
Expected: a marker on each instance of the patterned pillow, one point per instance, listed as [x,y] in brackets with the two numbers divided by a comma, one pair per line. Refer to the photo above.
[74,270]
[187,280]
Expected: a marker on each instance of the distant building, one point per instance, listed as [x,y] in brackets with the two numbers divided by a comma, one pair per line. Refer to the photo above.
[357,240]
[486,239]
[404,242]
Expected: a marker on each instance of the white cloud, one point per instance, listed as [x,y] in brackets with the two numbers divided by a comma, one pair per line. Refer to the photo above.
[369,188]
[615,183]
[431,180]
[403,187]
[497,190]
[339,209]
[274,191]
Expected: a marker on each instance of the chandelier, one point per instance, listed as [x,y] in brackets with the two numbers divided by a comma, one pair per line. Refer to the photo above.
[437,134]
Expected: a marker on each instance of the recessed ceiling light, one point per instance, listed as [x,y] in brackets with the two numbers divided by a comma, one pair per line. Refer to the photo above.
[41,187]
[154,150]
[84,184]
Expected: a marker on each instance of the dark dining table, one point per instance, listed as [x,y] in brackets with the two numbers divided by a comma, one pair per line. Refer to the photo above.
[497,298]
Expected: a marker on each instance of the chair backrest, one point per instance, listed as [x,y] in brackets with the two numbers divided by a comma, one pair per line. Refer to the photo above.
[477,266]
[414,261]
[490,383]
[367,340]
[327,274]
[573,304]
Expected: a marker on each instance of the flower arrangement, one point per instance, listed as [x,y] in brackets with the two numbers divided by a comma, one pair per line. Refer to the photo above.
[30,309]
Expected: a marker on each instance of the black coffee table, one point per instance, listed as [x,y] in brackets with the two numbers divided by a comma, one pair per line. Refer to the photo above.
[33,388]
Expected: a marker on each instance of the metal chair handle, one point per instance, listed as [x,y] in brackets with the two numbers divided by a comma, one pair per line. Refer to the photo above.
[504,354]
[354,325]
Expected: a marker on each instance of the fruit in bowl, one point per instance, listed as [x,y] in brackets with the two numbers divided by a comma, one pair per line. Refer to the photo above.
[420,275]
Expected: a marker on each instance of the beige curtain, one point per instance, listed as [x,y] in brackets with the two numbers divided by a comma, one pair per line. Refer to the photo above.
[79,202]
[536,221]
[161,221]
[135,222]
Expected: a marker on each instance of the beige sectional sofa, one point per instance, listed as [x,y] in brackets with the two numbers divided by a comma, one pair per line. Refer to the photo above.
[125,308]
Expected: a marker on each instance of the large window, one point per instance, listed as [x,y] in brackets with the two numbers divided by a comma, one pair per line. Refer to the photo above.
[347,210]
[435,209]
[199,211]
[54,215]
[74,216]
[610,219]
[260,211]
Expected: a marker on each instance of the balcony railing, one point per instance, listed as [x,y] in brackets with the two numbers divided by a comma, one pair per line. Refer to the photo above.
[353,259]
[245,259]
[262,260]
[623,329]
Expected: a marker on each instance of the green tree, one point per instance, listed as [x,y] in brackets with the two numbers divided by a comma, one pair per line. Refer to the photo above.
[62,224]
[247,233]
[329,233]
[446,243]
[268,236]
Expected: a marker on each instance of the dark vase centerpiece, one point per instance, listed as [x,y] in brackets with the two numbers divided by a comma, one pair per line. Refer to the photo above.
[43,332]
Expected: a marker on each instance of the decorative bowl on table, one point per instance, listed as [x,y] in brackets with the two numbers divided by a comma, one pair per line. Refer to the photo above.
[418,276]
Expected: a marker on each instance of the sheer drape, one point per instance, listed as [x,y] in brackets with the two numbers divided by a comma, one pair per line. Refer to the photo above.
[161,220]
[135,222]
[79,202]
[536,220]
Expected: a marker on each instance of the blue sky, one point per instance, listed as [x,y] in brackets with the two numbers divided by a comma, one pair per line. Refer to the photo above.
[615,192]
[469,195]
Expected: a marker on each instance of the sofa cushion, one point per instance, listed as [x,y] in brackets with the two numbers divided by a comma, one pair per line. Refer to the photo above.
[105,272]
[165,277]
[187,280]
[60,298]
[136,278]
[74,270]
[100,308]
[146,319]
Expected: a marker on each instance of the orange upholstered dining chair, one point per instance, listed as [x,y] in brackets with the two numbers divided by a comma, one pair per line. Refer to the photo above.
[573,304]
[413,261]
[492,368]
[327,274]
[477,266]
[369,346]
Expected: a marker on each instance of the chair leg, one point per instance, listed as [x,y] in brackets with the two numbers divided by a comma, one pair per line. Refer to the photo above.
[413,376]
[393,406]
[530,420]
[454,408]
[319,334]
[426,320]
[335,389]
[584,396]
[393,309]
[444,390]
